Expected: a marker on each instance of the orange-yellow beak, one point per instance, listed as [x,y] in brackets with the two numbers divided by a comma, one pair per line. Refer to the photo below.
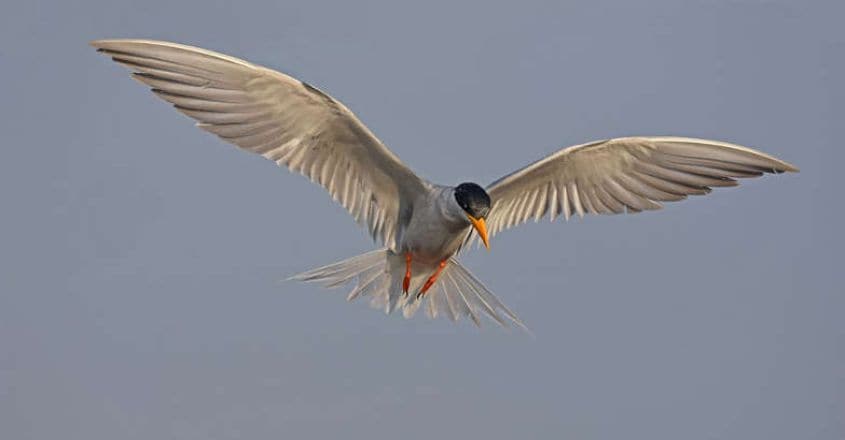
[481,228]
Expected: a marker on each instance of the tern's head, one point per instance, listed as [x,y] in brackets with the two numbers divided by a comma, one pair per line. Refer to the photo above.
[476,204]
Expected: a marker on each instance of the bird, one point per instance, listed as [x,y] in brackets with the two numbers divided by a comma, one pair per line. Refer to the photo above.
[421,226]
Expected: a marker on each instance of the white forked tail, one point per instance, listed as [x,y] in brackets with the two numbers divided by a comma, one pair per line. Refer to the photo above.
[378,275]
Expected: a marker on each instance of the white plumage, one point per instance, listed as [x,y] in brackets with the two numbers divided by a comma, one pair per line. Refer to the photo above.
[613,176]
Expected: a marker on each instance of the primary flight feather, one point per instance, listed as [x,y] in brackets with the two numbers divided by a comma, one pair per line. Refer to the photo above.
[421,225]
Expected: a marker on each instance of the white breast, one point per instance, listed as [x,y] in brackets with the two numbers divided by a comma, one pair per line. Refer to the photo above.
[437,227]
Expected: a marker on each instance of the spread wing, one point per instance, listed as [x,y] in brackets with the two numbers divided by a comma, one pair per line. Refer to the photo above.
[613,176]
[283,119]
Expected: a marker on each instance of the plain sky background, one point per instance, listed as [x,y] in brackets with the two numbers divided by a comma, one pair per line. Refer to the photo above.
[140,258]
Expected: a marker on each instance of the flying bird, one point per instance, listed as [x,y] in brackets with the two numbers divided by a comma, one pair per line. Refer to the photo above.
[421,225]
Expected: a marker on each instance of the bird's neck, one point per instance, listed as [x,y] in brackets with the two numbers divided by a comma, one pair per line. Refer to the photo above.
[451,212]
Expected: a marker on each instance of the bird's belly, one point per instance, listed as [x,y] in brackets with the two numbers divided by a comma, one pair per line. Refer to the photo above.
[433,243]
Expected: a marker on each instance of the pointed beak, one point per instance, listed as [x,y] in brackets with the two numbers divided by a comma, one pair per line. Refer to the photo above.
[481,228]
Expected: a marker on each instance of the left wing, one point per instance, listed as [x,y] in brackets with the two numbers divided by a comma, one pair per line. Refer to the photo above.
[283,119]
[613,176]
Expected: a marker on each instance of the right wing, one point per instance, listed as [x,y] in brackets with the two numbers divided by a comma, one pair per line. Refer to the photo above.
[285,120]
[613,176]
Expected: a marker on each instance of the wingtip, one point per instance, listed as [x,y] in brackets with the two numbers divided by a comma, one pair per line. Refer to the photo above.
[98,44]
[105,44]
[783,167]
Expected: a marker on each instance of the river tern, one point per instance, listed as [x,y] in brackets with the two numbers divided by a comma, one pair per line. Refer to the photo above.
[421,225]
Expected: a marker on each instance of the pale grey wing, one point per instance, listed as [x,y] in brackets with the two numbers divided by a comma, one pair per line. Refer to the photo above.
[283,119]
[613,176]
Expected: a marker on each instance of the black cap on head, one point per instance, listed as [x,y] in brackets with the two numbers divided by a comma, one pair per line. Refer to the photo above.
[473,199]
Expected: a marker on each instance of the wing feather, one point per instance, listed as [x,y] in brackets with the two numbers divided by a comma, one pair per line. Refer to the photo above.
[283,119]
[620,175]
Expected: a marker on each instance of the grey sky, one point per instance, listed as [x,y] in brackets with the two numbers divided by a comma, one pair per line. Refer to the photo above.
[140,258]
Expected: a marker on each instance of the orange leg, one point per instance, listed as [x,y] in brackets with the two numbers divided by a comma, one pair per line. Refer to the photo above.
[432,279]
[406,283]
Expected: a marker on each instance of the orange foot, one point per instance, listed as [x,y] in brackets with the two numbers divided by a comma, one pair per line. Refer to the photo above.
[406,283]
[432,279]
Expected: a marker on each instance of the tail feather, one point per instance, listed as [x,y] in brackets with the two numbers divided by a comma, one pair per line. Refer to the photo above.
[378,275]
[485,296]
[336,274]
